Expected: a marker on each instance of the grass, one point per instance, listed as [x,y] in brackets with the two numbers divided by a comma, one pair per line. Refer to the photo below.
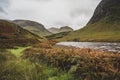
[82,64]
[25,69]
[46,62]
[15,68]
[102,31]
[93,36]
[50,73]
[17,52]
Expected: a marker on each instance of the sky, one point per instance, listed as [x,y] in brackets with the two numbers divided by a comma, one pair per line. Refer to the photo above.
[50,13]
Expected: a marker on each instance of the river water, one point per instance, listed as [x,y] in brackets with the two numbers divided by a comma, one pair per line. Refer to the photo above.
[104,46]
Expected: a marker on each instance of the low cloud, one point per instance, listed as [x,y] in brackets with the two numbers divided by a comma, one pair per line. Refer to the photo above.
[51,13]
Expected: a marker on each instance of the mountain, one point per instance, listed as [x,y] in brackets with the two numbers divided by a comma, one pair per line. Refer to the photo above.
[54,30]
[103,26]
[33,27]
[59,30]
[12,34]
[57,35]
[108,10]
[66,29]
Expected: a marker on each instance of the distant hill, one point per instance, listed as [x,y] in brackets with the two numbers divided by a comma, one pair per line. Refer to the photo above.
[54,30]
[59,30]
[57,35]
[103,26]
[12,34]
[33,27]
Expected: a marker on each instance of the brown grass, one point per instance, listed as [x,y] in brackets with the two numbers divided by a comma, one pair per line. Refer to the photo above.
[85,64]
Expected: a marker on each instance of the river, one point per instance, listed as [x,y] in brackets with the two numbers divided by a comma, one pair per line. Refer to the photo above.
[104,46]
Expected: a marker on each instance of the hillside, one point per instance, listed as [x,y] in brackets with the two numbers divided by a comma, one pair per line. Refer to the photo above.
[103,26]
[11,34]
[59,30]
[33,27]
[57,35]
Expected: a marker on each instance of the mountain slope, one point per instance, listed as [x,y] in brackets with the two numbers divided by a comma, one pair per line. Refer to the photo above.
[103,26]
[12,34]
[57,35]
[59,30]
[107,9]
[33,27]
[54,30]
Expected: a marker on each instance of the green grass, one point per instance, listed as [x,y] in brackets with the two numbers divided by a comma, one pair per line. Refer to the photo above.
[102,31]
[17,52]
[50,73]
[93,36]
[27,70]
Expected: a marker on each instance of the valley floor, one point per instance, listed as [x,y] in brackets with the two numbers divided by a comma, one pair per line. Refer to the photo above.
[46,62]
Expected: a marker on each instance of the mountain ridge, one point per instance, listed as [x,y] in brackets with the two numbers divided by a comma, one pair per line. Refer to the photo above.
[61,29]
[33,27]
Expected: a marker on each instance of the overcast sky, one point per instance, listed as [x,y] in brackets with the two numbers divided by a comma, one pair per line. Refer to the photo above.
[51,13]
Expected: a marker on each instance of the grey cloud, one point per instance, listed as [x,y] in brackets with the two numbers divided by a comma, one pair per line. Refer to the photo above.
[41,0]
[1,9]
[3,5]
[74,13]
